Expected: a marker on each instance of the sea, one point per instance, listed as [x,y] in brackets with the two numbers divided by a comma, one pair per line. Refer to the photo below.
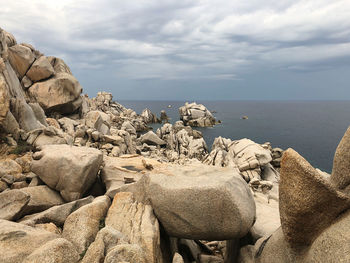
[312,128]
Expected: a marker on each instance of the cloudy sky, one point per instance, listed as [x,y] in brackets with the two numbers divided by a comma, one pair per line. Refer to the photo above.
[181,49]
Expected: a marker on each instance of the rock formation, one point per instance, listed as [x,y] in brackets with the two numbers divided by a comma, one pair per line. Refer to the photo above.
[85,180]
[196,115]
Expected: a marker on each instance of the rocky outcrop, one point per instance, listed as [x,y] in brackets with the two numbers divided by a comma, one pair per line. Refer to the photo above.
[40,70]
[137,222]
[12,203]
[58,94]
[149,117]
[68,169]
[224,207]
[252,159]
[196,115]
[81,226]
[21,58]
[18,242]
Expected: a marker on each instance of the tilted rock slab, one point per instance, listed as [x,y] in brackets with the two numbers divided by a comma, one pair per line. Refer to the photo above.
[56,214]
[21,58]
[41,69]
[82,225]
[137,222]
[68,169]
[12,203]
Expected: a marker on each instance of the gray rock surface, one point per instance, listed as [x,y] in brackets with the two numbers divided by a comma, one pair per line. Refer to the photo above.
[12,203]
[81,226]
[139,225]
[224,207]
[68,169]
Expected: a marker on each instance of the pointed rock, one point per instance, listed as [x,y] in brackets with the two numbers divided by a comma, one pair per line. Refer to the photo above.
[308,202]
[341,165]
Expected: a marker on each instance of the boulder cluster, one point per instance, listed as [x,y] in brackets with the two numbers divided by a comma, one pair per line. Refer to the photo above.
[86,180]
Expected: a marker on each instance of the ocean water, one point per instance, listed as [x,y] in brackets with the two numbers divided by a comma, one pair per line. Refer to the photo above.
[312,128]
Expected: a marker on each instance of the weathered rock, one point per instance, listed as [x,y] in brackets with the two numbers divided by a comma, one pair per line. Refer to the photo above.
[130,253]
[98,120]
[249,157]
[152,139]
[106,239]
[68,169]
[58,94]
[41,198]
[149,117]
[4,99]
[123,170]
[50,227]
[267,217]
[224,207]
[25,115]
[196,115]
[82,225]
[21,58]
[58,250]
[9,167]
[333,244]
[12,203]
[138,223]
[41,69]
[39,113]
[163,116]
[26,82]
[305,195]
[56,214]
[341,165]
[177,258]
[18,241]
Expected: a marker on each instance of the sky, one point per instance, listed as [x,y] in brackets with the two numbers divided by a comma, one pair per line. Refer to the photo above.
[199,49]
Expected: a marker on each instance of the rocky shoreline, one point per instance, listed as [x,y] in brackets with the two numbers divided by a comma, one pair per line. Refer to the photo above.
[86,180]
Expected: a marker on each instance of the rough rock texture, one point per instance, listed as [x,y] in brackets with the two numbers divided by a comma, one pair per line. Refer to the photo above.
[18,241]
[305,195]
[41,69]
[267,216]
[224,206]
[130,253]
[106,239]
[68,169]
[152,139]
[249,157]
[333,244]
[4,99]
[196,115]
[149,117]
[21,58]
[59,94]
[56,214]
[341,165]
[12,203]
[138,223]
[41,198]
[82,225]
[58,250]
[123,170]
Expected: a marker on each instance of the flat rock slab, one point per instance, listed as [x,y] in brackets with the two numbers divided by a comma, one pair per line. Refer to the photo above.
[68,169]
[119,171]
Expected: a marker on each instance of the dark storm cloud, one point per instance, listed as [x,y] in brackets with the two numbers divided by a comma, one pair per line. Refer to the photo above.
[205,49]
